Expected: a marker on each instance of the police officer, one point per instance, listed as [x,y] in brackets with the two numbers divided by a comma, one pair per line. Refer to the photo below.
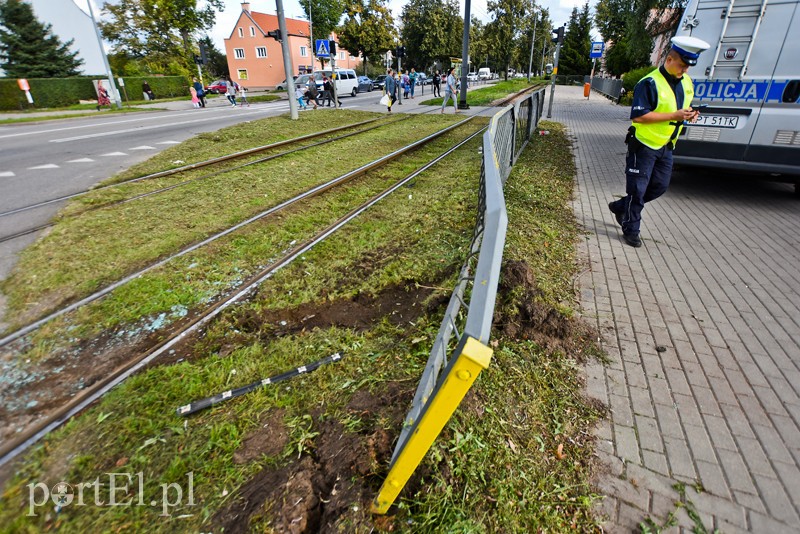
[661,103]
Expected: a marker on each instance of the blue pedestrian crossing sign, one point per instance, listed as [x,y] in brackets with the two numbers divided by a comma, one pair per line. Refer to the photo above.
[322,48]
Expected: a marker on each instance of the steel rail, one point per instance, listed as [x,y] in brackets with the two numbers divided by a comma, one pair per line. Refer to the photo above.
[307,194]
[85,398]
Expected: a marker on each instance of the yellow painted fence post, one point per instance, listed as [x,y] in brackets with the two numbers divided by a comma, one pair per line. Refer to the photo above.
[470,358]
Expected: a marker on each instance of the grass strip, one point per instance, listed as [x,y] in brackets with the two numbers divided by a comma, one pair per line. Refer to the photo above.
[490,93]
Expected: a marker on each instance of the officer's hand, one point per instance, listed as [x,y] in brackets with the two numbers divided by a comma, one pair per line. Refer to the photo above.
[685,115]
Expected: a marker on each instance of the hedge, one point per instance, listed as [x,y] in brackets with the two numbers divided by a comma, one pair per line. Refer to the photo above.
[62,92]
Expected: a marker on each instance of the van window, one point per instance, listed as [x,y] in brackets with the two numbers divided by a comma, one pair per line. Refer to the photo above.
[351,75]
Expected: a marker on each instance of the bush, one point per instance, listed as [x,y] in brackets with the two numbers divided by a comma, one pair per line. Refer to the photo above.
[63,92]
[162,86]
[46,92]
[631,78]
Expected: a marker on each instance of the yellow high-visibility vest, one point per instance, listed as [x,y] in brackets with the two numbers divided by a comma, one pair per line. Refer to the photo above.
[658,134]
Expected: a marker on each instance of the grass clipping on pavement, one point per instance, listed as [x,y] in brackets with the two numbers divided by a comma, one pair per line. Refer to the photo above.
[309,455]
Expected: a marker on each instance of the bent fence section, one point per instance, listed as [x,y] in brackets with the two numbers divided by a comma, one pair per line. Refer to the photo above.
[465,329]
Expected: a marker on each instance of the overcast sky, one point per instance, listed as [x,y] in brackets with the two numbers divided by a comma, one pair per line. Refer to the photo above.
[559,12]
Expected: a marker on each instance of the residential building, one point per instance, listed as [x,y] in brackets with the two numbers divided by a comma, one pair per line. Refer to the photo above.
[256,60]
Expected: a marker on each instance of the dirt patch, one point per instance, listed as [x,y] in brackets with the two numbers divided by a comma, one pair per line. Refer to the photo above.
[520,313]
[330,489]
[399,304]
[268,439]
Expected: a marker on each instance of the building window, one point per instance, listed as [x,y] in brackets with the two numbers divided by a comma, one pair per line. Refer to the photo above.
[252,32]
[241,32]
[303,51]
[238,53]
[261,51]
[341,56]
[242,74]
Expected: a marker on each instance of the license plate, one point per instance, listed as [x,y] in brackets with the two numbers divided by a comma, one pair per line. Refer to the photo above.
[717,121]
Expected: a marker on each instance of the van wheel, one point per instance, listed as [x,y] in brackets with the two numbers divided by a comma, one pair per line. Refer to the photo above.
[354,92]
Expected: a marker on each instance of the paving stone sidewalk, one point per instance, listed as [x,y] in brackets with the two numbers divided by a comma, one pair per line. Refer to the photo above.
[702,328]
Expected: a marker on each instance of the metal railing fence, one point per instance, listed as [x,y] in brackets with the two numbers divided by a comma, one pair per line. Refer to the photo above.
[465,329]
[610,87]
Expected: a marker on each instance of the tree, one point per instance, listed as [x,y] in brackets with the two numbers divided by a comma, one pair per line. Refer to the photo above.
[631,25]
[574,56]
[368,28]
[28,48]
[324,16]
[431,31]
[503,33]
[158,33]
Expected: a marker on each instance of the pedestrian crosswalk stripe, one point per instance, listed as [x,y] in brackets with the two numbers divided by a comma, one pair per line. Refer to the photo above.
[115,154]
[46,166]
[7,174]
[82,160]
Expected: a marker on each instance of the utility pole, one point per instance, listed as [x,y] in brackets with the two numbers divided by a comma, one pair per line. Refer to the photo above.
[287,60]
[111,86]
[311,37]
[462,98]
[558,40]
[533,40]
[399,75]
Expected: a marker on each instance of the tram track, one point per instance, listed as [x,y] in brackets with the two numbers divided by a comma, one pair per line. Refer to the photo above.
[35,432]
[311,192]
[188,168]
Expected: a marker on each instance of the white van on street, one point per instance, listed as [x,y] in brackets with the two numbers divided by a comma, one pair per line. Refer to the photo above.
[346,81]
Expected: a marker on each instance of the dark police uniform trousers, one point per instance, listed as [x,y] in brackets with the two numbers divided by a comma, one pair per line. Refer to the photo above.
[647,176]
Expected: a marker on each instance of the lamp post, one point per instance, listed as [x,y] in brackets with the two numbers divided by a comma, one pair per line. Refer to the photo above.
[311,35]
[111,86]
[533,40]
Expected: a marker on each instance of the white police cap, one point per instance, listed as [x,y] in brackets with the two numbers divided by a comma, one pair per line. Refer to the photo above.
[689,48]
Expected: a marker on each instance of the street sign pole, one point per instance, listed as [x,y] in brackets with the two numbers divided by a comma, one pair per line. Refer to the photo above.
[294,112]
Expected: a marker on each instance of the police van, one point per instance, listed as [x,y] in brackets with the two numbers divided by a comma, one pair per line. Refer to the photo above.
[750,80]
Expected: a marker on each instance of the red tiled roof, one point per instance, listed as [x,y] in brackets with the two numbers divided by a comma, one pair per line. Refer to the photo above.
[270,22]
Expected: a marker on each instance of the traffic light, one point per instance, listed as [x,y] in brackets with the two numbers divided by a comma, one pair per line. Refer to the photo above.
[275,34]
[400,51]
[332,45]
[203,55]
[197,59]
[558,35]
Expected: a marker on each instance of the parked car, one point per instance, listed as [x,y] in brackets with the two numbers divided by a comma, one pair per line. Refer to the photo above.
[380,81]
[218,87]
[472,77]
[365,84]
[422,79]
[283,85]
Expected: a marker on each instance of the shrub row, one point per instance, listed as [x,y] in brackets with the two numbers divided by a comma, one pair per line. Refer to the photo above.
[61,92]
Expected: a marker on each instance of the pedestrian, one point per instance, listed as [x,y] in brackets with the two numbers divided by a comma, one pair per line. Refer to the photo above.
[436,81]
[201,94]
[405,81]
[312,92]
[102,96]
[661,105]
[243,96]
[450,90]
[230,92]
[195,100]
[298,94]
[148,93]
[329,93]
[413,81]
[391,89]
